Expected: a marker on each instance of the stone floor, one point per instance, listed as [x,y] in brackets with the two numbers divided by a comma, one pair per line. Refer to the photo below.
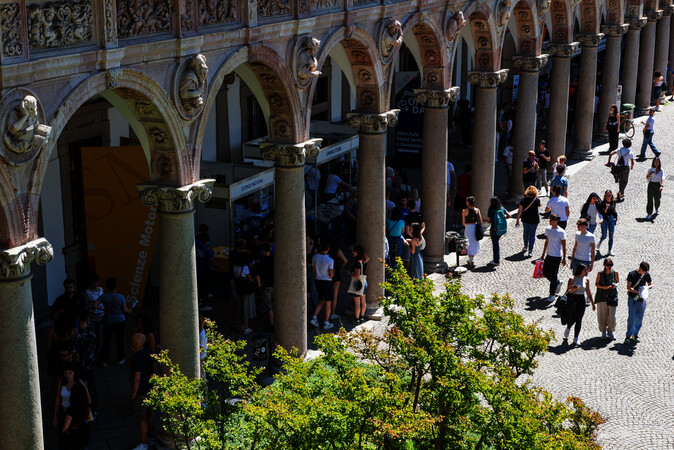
[631,387]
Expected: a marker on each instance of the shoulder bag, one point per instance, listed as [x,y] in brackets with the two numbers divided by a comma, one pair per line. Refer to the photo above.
[242,284]
[357,284]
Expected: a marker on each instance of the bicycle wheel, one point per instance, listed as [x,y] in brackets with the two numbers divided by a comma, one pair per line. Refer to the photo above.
[629,129]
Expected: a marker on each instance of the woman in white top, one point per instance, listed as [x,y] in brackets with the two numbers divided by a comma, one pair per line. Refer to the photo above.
[590,212]
[656,178]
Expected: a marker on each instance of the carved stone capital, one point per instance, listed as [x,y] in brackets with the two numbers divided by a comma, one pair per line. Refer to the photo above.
[290,155]
[637,23]
[373,123]
[590,40]
[175,200]
[530,63]
[653,16]
[487,79]
[562,50]
[615,30]
[668,10]
[15,262]
[433,98]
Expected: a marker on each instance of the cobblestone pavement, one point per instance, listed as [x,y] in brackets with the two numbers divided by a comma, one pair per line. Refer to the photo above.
[631,387]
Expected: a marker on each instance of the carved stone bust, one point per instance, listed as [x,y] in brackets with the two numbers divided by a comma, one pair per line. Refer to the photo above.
[23,134]
[391,37]
[307,64]
[192,88]
[454,25]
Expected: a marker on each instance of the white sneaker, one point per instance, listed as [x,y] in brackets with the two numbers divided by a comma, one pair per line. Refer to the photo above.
[649,217]
[566,332]
[334,317]
[530,254]
[141,447]
[656,210]
[551,299]
[328,325]
[611,253]
[493,263]
[314,322]
[575,341]
[603,335]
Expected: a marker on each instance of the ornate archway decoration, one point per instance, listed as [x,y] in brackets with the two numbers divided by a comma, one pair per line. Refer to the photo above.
[562,27]
[487,53]
[527,30]
[589,17]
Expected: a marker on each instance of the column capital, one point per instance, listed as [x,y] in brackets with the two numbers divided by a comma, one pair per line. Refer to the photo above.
[653,16]
[290,155]
[373,123]
[487,79]
[590,40]
[615,30]
[530,63]
[668,10]
[15,262]
[561,49]
[637,23]
[436,98]
[175,200]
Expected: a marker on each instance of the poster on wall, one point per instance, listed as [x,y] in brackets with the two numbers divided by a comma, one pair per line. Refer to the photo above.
[121,230]
[409,130]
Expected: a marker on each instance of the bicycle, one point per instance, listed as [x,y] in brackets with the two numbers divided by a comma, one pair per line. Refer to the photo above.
[626,125]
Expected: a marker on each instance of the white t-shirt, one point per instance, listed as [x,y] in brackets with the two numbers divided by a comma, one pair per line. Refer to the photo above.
[558,206]
[332,183]
[312,175]
[323,264]
[555,237]
[592,212]
[554,169]
[626,154]
[657,176]
[450,169]
[649,123]
[508,155]
[583,246]
[240,272]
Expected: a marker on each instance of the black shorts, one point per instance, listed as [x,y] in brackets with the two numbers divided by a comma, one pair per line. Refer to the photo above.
[324,289]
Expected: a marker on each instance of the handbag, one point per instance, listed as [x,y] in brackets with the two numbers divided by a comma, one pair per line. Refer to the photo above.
[422,247]
[242,284]
[479,232]
[357,285]
[538,269]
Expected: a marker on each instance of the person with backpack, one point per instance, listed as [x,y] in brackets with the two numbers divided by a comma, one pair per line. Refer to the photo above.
[496,216]
[623,166]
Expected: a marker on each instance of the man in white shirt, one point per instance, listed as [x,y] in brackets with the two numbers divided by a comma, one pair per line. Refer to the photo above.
[584,250]
[558,205]
[508,161]
[648,135]
[555,246]
[623,165]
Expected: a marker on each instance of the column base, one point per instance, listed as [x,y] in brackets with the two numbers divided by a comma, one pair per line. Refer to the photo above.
[641,111]
[601,136]
[583,154]
[435,265]
[374,313]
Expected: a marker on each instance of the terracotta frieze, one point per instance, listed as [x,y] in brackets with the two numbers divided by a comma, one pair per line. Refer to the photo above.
[10,24]
[142,17]
[218,11]
[58,24]
[270,8]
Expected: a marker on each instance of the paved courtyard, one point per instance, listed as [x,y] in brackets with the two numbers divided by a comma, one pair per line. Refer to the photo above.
[631,387]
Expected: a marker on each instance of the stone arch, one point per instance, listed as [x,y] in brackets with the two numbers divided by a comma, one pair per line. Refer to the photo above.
[561,22]
[372,92]
[525,26]
[487,50]
[590,16]
[150,112]
[433,53]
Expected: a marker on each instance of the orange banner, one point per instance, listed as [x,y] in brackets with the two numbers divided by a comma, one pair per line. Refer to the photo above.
[121,230]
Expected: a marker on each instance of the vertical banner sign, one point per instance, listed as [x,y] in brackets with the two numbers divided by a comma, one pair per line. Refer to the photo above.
[409,130]
[121,230]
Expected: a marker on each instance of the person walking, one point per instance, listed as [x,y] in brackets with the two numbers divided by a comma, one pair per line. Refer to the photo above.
[648,135]
[324,269]
[590,212]
[624,164]
[606,299]
[394,230]
[530,170]
[115,318]
[577,288]
[584,248]
[528,213]
[496,216]
[656,179]
[558,204]
[560,179]
[639,283]
[358,266]
[611,127]
[472,219]
[555,247]
[543,156]
[416,266]
[609,215]
[244,288]
[658,80]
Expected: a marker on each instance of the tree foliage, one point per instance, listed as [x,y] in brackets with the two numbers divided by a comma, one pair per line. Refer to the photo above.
[450,372]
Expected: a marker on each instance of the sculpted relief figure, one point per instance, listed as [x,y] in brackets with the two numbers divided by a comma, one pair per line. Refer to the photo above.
[504,12]
[307,67]
[392,37]
[23,129]
[193,83]
[454,25]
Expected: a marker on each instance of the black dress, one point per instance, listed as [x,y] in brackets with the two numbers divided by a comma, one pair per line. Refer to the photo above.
[612,128]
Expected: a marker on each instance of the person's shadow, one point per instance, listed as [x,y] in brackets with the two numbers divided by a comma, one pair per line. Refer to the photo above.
[537,303]
[485,269]
[562,348]
[595,343]
[623,349]
[519,256]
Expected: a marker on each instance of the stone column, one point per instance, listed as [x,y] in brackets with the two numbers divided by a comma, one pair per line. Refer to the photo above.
[484,135]
[662,35]
[587,86]
[371,230]
[178,307]
[290,254]
[646,54]
[525,125]
[610,73]
[434,172]
[20,408]
[559,96]
[671,44]
[630,59]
